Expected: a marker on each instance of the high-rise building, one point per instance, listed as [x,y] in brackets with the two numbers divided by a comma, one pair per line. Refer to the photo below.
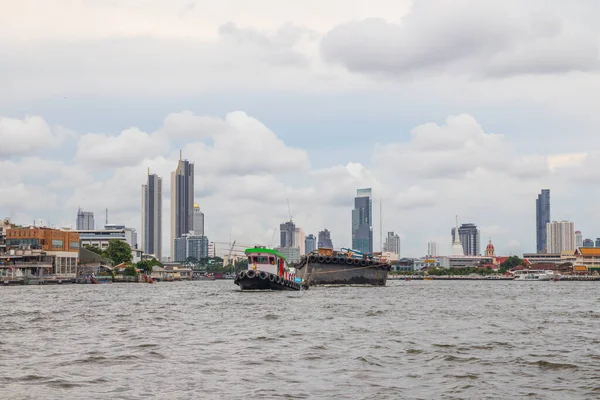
[542,218]
[597,242]
[310,243]
[299,239]
[588,243]
[324,241]
[560,236]
[152,216]
[198,225]
[190,246]
[432,249]
[85,220]
[287,234]
[578,239]
[469,238]
[362,221]
[182,201]
[392,243]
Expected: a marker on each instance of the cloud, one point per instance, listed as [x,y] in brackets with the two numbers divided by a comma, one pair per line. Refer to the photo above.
[467,37]
[415,197]
[28,135]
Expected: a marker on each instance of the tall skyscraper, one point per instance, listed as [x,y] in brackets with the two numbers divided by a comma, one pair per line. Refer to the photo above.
[362,221]
[310,243]
[182,201]
[392,243]
[198,225]
[324,241]
[299,239]
[287,234]
[469,238]
[85,220]
[542,218]
[578,239]
[152,216]
[560,236]
[432,249]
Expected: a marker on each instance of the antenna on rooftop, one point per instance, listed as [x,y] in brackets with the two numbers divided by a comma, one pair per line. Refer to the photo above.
[106,220]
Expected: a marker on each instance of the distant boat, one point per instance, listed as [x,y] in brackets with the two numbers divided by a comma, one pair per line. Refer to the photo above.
[267,270]
[533,275]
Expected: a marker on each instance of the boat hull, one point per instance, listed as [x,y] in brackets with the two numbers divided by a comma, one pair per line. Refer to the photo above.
[260,280]
[341,271]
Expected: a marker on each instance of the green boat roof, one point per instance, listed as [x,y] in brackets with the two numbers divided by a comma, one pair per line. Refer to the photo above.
[261,250]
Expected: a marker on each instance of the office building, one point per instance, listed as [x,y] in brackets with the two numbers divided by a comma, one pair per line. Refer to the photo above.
[542,217]
[85,220]
[191,246]
[152,216]
[101,237]
[182,201]
[291,254]
[432,249]
[299,240]
[578,239]
[362,221]
[198,225]
[588,243]
[310,244]
[287,234]
[468,235]
[324,241]
[392,244]
[560,236]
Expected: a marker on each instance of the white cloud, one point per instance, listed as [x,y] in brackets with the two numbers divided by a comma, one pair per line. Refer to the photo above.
[28,135]
[469,37]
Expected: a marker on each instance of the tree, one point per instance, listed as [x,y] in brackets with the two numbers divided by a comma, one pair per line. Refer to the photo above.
[145,266]
[94,249]
[511,262]
[130,271]
[119,252]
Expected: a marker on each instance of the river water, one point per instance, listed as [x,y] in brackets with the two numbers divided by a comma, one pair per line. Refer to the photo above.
[208,340]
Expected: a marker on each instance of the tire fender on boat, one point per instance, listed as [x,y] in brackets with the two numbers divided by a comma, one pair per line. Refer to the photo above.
[357,261]
[321,259]
[349,261]
[312,259]
[328,260]
[363,262]
[250,274]
[242,275]
[263,275]
[335,260]
[272,278]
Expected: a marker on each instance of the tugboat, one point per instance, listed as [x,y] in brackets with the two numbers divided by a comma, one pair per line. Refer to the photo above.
[267,270]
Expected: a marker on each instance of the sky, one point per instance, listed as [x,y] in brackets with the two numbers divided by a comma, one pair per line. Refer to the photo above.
[464,108]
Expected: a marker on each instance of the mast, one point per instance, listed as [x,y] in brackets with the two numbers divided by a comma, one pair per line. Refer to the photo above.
[381,225]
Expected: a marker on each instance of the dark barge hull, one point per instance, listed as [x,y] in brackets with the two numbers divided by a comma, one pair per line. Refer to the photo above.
[342,271]
[260,280]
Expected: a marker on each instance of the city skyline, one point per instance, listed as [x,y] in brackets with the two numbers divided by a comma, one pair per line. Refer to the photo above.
[424,131]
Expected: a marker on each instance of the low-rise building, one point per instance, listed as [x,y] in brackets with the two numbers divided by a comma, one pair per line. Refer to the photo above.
[101,237]
[190,246]
[588,257]
[464,261]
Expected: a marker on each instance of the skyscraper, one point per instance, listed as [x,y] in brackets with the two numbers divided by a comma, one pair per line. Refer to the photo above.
[198,225]
[432,249]
[392,243]
[152,216]
[542,218]
[85,220]
[469,238]
[362,221]
[560,236]
[578,239]
[310,244]
[182,201]
[287,234]
[324,240]
[299,239]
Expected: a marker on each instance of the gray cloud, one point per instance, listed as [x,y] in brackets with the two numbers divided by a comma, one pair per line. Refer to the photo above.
[473,38]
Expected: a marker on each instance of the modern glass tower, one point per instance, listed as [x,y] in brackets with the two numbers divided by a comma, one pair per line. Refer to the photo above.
[152,216]
[182,201]
[362,221]
[542,217]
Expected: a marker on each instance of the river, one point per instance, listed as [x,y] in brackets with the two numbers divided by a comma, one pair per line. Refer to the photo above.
[208,340]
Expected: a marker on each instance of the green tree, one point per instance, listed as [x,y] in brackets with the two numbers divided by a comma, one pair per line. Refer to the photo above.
[119,252]
[144,265]
[130,270]
[94,249]
[511,262]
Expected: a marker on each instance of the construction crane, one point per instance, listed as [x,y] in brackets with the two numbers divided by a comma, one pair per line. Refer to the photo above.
[229,256]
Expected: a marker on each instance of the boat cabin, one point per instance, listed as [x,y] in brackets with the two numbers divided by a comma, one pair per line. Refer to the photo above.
[268,260]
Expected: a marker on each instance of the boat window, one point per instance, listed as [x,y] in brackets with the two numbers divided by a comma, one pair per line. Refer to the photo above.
[272,260]
[249,259]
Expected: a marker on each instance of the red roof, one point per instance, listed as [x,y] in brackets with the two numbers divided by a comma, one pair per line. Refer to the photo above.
[500,260]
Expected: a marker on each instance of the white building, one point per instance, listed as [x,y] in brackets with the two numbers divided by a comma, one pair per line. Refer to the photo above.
[198,223]
[291,254]
[101,237]
[560,236]
[432,249]
[578,239]
[300,240]
[392,244]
